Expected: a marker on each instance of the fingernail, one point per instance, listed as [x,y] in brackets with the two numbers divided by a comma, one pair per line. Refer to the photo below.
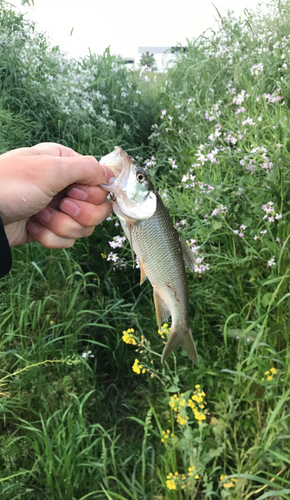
[32,227]
[77,193]
[108,173]
[70,208]
[44,215]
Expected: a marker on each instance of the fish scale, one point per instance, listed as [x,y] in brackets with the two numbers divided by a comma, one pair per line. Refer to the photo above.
[159,247]
[164,262]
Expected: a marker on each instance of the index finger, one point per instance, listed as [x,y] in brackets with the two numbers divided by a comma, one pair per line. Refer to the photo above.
[54,149]
[57,173]
[44,148]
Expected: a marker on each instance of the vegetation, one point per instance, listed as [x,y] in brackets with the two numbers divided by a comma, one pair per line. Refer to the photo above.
[87,410]
[149,60]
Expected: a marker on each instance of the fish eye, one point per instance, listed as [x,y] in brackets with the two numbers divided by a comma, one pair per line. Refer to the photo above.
[140,177]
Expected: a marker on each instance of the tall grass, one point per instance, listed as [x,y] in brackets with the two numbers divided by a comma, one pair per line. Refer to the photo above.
[77,421]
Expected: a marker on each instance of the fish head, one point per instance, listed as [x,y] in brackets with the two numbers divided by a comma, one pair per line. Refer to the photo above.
[133,191]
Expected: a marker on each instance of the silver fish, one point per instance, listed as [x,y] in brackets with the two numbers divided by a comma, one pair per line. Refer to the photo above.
[157,244]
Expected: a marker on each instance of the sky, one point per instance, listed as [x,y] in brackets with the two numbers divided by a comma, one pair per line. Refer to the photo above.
[126,24]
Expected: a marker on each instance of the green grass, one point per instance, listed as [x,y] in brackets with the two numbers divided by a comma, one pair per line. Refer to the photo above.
[76,421]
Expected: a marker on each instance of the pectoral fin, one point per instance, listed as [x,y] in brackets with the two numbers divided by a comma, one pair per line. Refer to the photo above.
[127,228]
[188,254]
[162,311]
[143,274]
[131,242]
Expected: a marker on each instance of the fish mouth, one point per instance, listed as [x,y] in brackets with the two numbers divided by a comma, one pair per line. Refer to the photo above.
[118,162]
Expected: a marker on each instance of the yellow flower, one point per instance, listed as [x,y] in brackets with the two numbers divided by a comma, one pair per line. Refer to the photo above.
[170,483]
[230,484]
[199,416]
[270,377]
[51,322]
[196,476]
[103,255]
[274,371]
[198,398]
[166,435]
[197,386]
[267,373]
[174,402]
[181,420]
[137,368]
[165,331]
[191,471]
[128,337]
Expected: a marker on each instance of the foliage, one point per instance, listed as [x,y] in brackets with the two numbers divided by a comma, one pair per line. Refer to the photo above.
[90,104]
[148,59]
[110,421]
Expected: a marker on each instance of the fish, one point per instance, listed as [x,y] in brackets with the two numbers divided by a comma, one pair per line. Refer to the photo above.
[160,249]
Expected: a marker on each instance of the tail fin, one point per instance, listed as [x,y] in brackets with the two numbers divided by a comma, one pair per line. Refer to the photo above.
[183,339]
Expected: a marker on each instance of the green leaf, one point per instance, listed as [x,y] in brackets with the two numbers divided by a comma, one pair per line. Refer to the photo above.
[173,388]
[266,299]
[216,225]
[272,246]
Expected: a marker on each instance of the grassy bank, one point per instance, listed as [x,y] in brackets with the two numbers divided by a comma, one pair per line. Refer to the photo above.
[87,410]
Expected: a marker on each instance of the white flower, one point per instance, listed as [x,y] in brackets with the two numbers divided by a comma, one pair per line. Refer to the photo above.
[248,121]
[272,262]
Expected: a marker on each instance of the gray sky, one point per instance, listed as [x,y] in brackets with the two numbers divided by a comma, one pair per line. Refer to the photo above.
[126,24]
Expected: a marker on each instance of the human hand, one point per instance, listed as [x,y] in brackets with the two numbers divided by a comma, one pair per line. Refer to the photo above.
[50,194]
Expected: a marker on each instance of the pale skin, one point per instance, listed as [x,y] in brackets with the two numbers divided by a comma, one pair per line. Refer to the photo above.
[50,194]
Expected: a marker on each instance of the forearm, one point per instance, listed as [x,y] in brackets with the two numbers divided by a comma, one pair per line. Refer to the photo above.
[5,252]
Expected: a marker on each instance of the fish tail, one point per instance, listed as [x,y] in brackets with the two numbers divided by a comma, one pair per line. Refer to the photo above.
[183,339]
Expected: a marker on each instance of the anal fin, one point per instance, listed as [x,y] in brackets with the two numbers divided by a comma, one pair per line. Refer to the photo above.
[162,311]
